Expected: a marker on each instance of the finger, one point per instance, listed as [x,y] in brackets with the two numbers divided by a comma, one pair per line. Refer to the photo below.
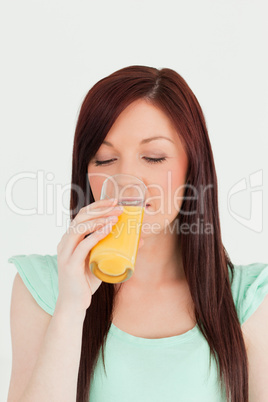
[76,233]
[98,205]
[86,215]
[84,247]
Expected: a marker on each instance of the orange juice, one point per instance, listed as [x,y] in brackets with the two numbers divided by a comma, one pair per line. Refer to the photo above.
[113,258]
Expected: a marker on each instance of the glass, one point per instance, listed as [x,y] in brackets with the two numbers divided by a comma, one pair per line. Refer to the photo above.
[113,258]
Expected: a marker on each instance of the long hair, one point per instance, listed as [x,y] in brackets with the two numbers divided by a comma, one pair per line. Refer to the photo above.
[205,260]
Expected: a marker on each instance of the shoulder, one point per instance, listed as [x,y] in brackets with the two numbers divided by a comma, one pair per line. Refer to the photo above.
[40,276]
[249,288]
[255,333]
[250,293]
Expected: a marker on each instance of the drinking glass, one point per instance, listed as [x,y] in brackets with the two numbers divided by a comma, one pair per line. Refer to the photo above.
[113,258]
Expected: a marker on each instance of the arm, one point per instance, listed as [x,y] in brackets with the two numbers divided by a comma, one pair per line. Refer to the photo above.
[255,331]
[45,350]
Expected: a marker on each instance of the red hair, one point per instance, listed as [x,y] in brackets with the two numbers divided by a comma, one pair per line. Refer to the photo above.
[204,257]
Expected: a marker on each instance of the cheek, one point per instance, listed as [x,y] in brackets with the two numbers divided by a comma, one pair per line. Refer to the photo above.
[173,189]
[166,198]
[166,190]
[96,180]
[177,189]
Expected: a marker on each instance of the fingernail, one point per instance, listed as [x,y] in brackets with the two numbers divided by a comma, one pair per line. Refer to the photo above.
[112,218]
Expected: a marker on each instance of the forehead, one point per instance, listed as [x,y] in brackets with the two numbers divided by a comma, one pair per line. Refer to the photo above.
[142,120]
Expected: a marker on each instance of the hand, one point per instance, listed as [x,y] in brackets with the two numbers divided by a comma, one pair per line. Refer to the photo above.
[141,243]
[77,284]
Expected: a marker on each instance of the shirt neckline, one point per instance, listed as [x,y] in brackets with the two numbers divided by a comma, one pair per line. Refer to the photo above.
[170,340]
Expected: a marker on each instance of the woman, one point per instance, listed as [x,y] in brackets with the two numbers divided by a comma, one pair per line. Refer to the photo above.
[172,332]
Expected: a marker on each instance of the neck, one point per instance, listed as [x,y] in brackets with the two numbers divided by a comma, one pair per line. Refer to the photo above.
[159,261]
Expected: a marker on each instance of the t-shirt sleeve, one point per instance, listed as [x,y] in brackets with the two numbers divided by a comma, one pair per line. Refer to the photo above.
[39,274]
[250,286]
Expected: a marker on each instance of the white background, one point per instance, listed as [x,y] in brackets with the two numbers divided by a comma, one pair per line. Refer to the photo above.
[53,52]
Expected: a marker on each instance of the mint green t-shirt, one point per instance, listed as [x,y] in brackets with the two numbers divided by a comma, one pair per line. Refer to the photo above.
[138,369]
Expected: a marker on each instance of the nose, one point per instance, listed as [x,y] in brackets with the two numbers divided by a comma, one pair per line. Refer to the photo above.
[130,166]
[138,176]
[132,173]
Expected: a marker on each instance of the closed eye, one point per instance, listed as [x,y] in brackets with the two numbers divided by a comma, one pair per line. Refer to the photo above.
[149,160]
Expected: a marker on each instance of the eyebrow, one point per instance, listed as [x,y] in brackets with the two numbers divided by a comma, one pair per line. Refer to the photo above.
[143,141]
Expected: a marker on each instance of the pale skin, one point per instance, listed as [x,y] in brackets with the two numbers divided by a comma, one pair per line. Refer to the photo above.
[158,259]
[158,284]
[157,293]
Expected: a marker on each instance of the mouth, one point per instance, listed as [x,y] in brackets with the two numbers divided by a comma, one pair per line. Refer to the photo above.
[148,205]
